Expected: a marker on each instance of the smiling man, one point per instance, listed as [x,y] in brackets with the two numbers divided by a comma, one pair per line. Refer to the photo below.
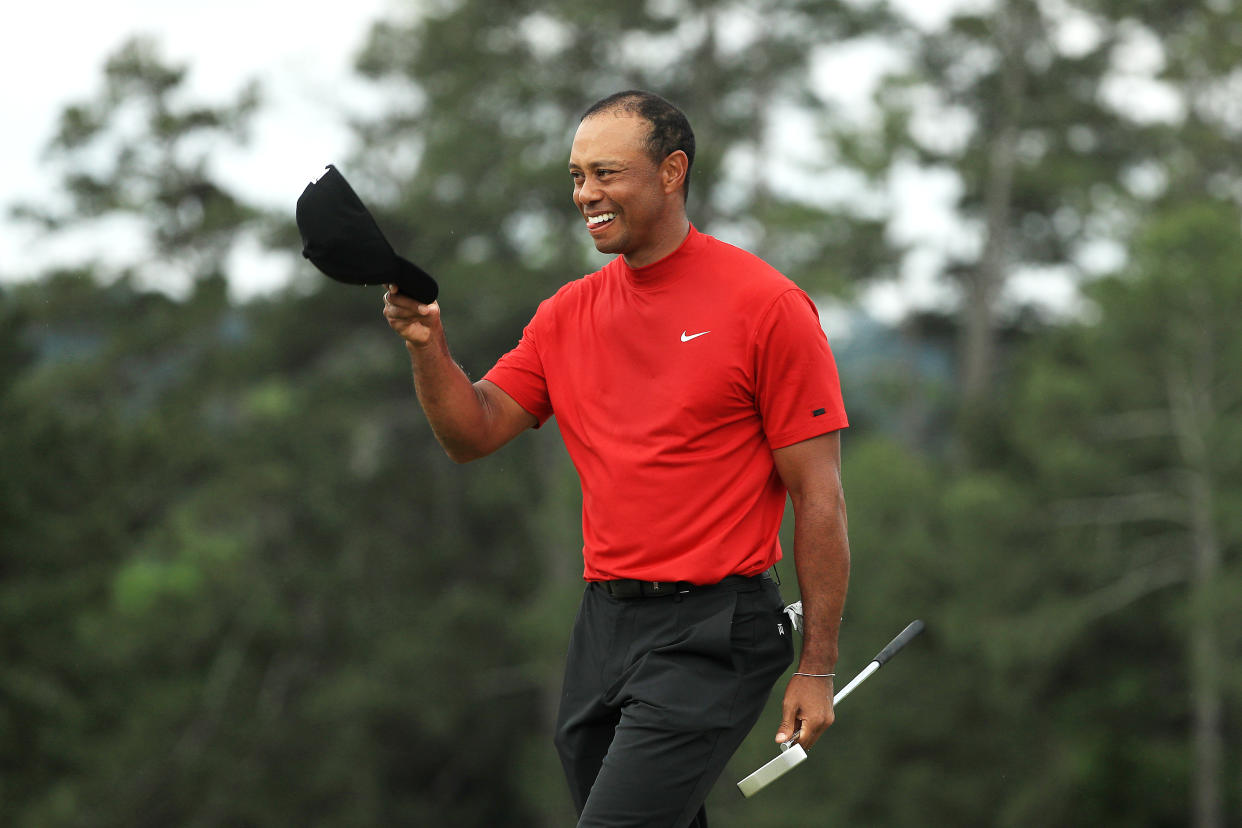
[614,166]
[695,391]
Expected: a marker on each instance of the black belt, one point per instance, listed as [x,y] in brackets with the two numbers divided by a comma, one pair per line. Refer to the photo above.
[629,588]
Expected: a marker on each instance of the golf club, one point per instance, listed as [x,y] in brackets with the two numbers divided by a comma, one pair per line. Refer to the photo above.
[793,754]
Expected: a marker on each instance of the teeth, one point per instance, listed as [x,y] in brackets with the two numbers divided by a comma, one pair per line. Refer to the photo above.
[601,218]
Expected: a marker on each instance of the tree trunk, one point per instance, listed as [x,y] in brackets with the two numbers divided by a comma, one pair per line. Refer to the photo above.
[982,285]
[1205,663]
[704,97]
[1191,406]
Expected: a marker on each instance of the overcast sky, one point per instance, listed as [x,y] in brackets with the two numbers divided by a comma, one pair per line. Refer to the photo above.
[52,54]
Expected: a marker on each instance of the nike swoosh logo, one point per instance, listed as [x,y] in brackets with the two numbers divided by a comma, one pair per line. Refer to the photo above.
[685,337]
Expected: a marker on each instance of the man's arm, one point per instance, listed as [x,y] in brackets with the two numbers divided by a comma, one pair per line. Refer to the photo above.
[811,470]
[470,420]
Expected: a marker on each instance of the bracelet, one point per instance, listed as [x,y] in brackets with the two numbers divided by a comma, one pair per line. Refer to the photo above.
[816,675]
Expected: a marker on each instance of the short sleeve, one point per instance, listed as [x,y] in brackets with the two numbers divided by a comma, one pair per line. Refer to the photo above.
[797,390]
[520,374]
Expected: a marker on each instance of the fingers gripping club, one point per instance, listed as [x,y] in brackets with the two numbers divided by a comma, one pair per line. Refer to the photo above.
[793,754]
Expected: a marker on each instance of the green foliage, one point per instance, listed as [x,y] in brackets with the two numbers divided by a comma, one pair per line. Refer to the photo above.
[243,564]
[1144,399]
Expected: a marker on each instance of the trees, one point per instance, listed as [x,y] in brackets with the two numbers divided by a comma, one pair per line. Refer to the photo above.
[1007,99]
[235,589]
[242,583]
[1133,423]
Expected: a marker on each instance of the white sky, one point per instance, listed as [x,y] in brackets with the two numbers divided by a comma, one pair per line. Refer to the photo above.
[53,52]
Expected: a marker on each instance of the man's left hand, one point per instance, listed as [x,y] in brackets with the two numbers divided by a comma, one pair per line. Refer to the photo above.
[807,708]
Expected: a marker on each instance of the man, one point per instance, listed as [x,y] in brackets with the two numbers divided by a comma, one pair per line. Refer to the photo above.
[694,387]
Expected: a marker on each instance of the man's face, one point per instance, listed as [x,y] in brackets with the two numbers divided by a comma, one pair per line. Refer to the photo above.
[618,188]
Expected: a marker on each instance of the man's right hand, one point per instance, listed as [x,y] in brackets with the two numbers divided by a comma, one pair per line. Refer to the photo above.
[417,324]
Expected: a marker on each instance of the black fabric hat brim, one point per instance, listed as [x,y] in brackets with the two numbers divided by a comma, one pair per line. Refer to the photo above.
[342,239]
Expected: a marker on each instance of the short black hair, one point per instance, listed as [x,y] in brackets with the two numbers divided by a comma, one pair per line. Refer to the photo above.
[670,128]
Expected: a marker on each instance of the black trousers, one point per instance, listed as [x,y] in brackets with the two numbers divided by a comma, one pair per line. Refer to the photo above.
[659,693]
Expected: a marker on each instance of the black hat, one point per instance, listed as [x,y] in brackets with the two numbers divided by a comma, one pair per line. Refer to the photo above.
[341,238]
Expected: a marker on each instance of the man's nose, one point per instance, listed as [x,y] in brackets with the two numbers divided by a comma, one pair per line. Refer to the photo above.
[588,192]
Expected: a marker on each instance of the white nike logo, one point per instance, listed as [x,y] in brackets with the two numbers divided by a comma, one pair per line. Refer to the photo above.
[685,337]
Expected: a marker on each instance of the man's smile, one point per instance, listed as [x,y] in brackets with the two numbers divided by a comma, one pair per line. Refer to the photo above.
[599,221]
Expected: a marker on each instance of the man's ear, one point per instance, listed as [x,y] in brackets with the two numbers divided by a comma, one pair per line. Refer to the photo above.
[673,171]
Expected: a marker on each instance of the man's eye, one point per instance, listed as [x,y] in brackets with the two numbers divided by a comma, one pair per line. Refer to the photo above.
[603,173]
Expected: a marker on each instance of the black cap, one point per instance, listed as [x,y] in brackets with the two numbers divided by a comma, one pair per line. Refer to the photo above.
[341,238]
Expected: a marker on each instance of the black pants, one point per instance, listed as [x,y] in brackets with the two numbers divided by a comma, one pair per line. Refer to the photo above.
[659,693]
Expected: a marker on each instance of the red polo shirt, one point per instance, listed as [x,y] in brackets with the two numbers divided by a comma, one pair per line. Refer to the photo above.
[672,384]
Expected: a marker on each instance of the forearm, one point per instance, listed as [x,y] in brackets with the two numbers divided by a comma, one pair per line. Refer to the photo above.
[459,415]
[822,561]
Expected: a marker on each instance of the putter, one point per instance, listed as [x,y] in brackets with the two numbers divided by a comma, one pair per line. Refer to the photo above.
[793,754]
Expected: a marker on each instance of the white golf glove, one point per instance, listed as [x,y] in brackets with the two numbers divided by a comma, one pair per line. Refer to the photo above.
[794,611]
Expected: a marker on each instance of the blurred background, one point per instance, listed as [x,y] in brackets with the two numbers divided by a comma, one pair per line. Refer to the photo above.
[241,585]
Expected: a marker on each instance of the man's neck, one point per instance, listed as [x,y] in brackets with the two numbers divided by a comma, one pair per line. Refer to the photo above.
[679,228]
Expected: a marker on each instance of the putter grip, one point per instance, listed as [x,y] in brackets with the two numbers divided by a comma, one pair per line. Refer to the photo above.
[903,638]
